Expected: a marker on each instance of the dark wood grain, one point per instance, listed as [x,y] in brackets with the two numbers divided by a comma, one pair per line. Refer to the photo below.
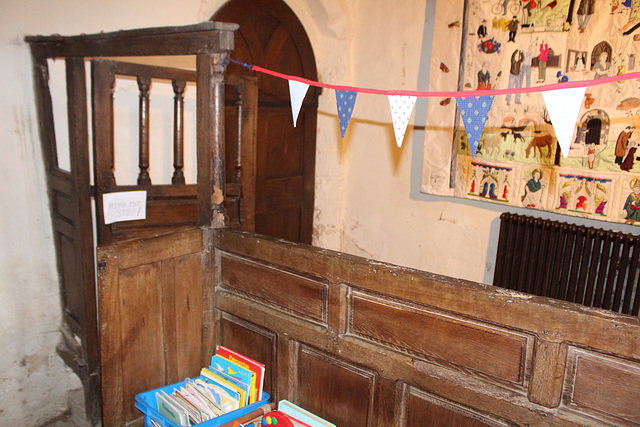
[428,349]
[153,306]
[604,385]
[272,36]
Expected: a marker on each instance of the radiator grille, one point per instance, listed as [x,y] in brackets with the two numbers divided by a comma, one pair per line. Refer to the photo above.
[593,267]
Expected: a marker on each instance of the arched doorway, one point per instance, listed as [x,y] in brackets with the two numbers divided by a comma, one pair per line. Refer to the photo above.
[594,127]
[272,37]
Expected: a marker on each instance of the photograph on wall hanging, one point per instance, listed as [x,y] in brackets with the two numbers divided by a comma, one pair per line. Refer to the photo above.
[518,161]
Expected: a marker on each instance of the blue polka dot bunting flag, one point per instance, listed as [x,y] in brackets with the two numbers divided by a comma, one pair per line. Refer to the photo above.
[345,100]
[474,111]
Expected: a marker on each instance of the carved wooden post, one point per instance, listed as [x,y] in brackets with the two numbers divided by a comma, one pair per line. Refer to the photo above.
[238,172]
[178,132]
[102,89]
[210,139]
[144,83]
[547,373]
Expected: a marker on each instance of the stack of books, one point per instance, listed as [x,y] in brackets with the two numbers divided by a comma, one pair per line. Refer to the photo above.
[231,382]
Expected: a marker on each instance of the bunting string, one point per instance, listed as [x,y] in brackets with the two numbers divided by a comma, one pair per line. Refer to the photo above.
[458,93]
[474,105]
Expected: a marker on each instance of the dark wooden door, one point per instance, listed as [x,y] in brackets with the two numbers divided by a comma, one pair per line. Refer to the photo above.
[272,37]
[70,203]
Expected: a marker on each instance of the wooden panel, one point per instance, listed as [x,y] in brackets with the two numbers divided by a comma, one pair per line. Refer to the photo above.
[334,387]
[285,225]
[188,300]
[294,293]
[140,333]
[424,409]
[468,354]
[169,246]
[73,303]
[557,321]
[498,353]
[162,214]
[603,385]
[154,301]
[255,342]
[63,205]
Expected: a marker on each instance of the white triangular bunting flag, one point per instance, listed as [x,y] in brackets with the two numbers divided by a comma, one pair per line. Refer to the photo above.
[563,106]
[297,91]
[401,109]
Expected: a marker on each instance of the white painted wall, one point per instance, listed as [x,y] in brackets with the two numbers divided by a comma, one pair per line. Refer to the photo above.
[33,380]
[365,203]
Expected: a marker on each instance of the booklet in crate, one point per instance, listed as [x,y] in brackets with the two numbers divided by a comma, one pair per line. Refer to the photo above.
[235,374]
[241,360]
[228,385]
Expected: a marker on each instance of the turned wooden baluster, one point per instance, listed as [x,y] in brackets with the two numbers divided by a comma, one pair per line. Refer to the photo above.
[178,132]
[144,84]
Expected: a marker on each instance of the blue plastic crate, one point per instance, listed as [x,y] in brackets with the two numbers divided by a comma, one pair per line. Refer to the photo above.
[146,402]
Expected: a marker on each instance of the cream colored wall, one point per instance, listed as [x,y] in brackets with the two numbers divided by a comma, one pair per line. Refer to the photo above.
[33,380]
[364,201]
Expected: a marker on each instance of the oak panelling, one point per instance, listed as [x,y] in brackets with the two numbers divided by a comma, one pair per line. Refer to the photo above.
[141,331]
[603,385]
[154,305]
[424,409]
[251,340]
[391,365]
[300,295]
[74,303]
[340,390]
[145,251]
[185,277]
[286,225]
[376,312]
[495,352]
[556,321]
[62,205]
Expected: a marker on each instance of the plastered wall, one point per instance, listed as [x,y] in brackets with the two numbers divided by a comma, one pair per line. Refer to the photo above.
[365,202]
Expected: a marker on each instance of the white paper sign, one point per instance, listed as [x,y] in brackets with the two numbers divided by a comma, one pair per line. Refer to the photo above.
[124,206]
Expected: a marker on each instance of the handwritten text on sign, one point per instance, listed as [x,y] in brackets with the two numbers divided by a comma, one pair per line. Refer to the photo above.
[124,206]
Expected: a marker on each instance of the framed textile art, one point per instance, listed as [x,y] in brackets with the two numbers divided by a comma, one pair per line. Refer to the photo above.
[519,44]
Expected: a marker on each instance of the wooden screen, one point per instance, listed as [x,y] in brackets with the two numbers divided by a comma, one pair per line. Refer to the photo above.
[358,342]
[365,343]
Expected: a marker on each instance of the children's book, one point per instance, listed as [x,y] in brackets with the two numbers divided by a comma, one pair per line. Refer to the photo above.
[170,409]
[205,397]
[235,381]
[240,359]
[216,378]
[244,376]
[297,413]
[195,416]
[228,400]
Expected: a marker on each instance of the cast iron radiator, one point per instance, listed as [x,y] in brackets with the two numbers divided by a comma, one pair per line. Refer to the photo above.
[585,265]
